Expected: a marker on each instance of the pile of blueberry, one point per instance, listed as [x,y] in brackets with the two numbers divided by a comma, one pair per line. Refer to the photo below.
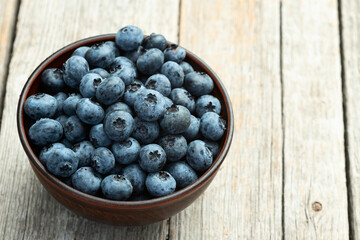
[123,120]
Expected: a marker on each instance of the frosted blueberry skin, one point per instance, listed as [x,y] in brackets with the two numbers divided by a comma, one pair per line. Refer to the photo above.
[100,55]
[126,152]
[136,176]
[63,162]
[74,69]
[145,132]
[160,183]
[124,68]
[86,180]
[102,160]
[182,97]
[150,105]
[159,82]
[175,53]
[45,131]
[47,151]
[174,73]
[198,83]
[89,84]
[100,71]
[113,47]
[60,98]
[168,102]
[52,80]
[134,55]
[150,61]
[207,103]
[212,126]
[199,156]
[175,147]
[129,38]
[89,111]
[62,119]
[81,51]
[83,151]
[118,125]
[69,104]
[155,41]
[74,130]
[110,90]
[132,92]
[193,130]
[40,105]
[183,174]
[98,136]
[116,187]
[119,106]
[176,119]
[152,158]
[187,68]
[213,146]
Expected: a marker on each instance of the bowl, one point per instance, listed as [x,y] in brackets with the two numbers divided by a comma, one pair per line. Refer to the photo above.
[110,211]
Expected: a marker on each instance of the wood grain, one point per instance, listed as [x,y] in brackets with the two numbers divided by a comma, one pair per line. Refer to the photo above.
[26,210]
[351,50]
[7,22]
[240,40]
[315,197]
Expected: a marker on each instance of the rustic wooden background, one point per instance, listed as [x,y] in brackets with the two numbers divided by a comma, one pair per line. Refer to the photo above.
[292,71]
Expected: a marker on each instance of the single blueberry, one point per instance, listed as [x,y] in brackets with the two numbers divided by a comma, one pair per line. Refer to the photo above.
[52,79]
[75,68]
[134,55]
[174,73]
[83,151]
[89,84]
[175,53]
[116,187]
[86,180]
[98,136]
[69,104]
[102,160]
[136,176]
[126,152]
[45,131]
[118,125]
[182,97]
[114,48]
[100,71]
[100,55]
[129,38]
[152,158]
[155,41]
[80,51]
[207,103]
[160,183]
[183,174]
[60,98]
[62,119]
[145,132]
[110,90]
[193,130]
[150,61]
[199,156]
[120,106]
[127,74]
[213,146]
[198,83]
[74,129]
[47,151]
[212,126]
[175,147]
[40,105]
[63,162]
[132,92]
[187,68]
[176,119]
[150,105]
[160,83]
[89,111]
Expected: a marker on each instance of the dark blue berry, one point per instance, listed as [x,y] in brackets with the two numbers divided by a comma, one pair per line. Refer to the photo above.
[207,103]
[183,174]
[150,61]
[193,130]
[136,176]
[45,131]
[160,83]
[199,156]
[168,102]
[160,183]
[69,105]
[46,152]
[102,160]
[102,72]
[110,90]
[53,80]
[40,105]
[75,68]
[213,146]
[132,92]
[129,38]
[100,55]
[74,129]
[119,106]
[134,55]
[60,98]
[98,136]
[174,73]
[63,162]
[80,51]
[155,41]
[182,97]
[187,68]
[198,83]
[175,53]
[89,84]
[175,147]
[176,119]
[89,111]
[86,180]
[150,105]
[83,151]
[62,119]
[212,126]
[145,132]
[152,158]
[126,152]
[116,187]
[114,48]
[118,125]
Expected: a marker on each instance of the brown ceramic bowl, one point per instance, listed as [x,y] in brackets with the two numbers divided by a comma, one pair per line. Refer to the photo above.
[109,211]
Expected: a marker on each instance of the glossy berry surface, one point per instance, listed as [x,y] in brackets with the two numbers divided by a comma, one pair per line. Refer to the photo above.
[89,111]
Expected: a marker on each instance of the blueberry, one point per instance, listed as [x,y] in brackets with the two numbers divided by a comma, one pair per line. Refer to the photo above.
[213,146]
[207,103]
[199,156]
[80,51]
[60,98]
[198,83]
[47,151]
[168,102]
[145,132]
[150,105]
[120,106]
[174,53]
[182,97]
[98,136]
[100,55]
[102,160]
[160,83]
[155,41]
[118,125]
[152,158]
[174,73]
[150,61]
[100,71]
[134,55]
[175,147]
[187,68]
[86,180]
[63,162]
[212,126]
[75,68]
[126,152]
[62,119]
[124,68]
[53,80]
[136,176]
[69,105]
[110,90]
[83,151]
[193,130]
[160,183]
[40,105]
[74,129]
[129,38]
[116,187]
[45,131]
[122,62]
[176,119]
[113,47]
[89,84]
[183,174]
[89,111]
[132,92]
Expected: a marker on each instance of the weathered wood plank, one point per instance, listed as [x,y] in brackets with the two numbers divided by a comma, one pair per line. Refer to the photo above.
[7,22]
[315,197]
[27,211]
[351,49]
[240,40]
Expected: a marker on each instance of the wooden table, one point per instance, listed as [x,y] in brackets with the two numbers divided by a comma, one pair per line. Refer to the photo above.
[292,71]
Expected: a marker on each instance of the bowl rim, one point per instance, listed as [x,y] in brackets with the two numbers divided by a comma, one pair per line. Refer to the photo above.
[114,203]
